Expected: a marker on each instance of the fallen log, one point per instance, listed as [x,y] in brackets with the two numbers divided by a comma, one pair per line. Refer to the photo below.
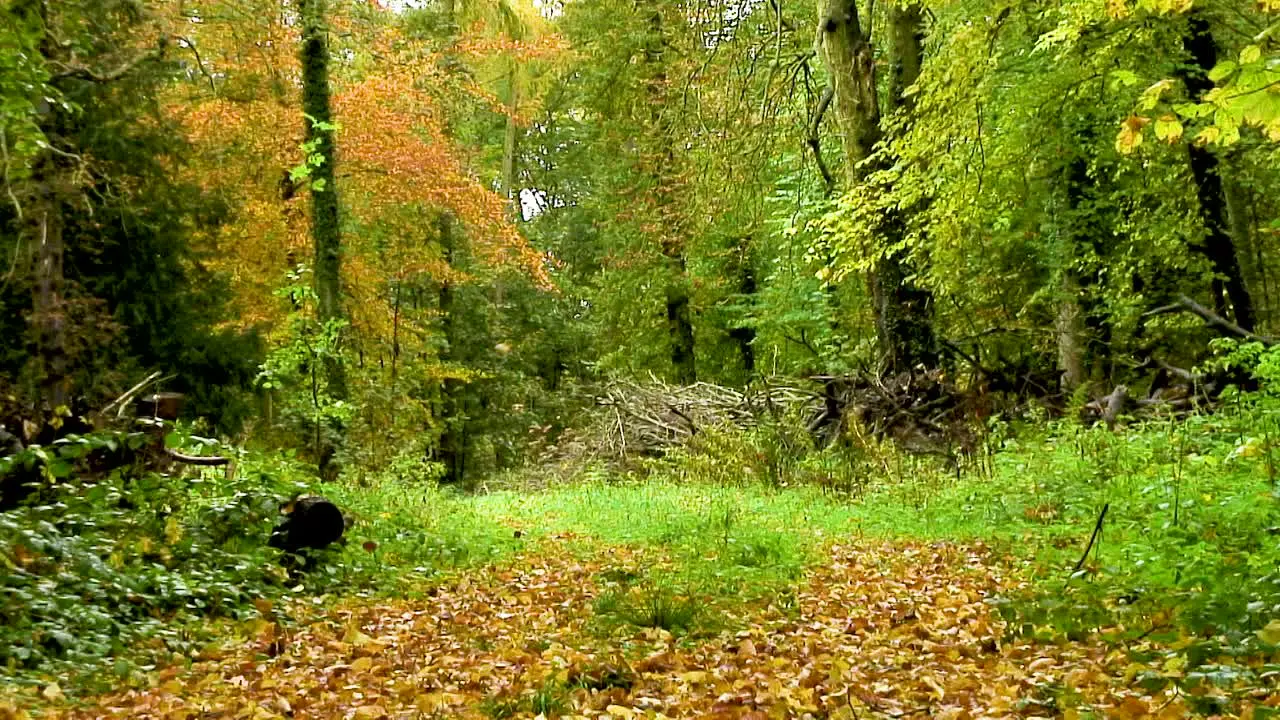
[199,460]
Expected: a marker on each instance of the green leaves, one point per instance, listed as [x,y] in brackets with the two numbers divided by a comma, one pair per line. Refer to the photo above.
[312,158]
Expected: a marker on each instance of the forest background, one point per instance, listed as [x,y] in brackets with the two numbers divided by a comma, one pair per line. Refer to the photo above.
[418,243]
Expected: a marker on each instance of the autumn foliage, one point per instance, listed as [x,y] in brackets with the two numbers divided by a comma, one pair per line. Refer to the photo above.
[398,166]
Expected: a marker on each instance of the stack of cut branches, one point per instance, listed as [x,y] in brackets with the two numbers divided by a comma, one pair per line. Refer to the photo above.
[650,417]
[921,412]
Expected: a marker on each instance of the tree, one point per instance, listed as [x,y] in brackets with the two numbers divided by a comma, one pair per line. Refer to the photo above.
[845,42]
[1218,246]
[326,229]
[97,229]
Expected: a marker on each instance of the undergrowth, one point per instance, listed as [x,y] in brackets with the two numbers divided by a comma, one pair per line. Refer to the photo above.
[1186,555]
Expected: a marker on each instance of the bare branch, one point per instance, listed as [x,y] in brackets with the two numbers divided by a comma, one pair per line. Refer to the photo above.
[189,44]
[83,72]
[814,141]
[1211,319]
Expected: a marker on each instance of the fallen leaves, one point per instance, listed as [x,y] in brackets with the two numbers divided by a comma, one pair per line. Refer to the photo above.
[881,630]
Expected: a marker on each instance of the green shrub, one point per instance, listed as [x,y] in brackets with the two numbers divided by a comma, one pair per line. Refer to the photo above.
[100,560]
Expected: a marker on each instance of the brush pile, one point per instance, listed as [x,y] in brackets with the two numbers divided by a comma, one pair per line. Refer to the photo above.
[923,412]
[647,418]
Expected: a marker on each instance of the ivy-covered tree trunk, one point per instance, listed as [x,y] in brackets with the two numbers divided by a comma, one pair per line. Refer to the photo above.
[1084,330]
[1218,246]
[326,230]
[679,315]
[902,308]
[1236,198]
[509,137]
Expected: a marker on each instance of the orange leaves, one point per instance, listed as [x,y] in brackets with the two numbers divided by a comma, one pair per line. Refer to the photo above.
[880,630]
[545,47]
[396,164]
[1130,135]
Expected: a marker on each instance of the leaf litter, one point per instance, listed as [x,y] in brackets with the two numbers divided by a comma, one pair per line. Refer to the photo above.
[881,630]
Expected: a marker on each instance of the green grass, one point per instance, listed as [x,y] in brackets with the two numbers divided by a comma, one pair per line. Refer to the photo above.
[652,606]
[736,541]
[404,534]
[1194,521]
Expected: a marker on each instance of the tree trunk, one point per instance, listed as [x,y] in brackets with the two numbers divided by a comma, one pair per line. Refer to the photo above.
[1084,330]
[326,230]
[509,147]
[1206,169]
[43,228]
[907,27]
[849,57]
[902,309]
[452,449]
[1070,331]
[48,306]
[745,335]
[1236,199]
[679,317]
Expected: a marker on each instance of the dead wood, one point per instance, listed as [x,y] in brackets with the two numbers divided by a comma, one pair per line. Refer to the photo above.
[1210,318]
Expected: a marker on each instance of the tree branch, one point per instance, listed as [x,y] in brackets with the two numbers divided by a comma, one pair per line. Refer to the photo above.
[1097,529]
[1210,318]
[190,45]
[815,143]
[86,73]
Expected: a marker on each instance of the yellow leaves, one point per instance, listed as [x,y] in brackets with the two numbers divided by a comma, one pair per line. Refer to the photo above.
[52,692]
[881,629]
[1118,9]
[1130,136]
[1168,128]
[1208,136]
[1121,9]
[1271,633]
[357,639]
[172,530]
[11,711]
[1131,708]
[1152,95]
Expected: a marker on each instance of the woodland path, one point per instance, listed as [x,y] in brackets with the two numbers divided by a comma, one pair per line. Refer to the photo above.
[884,630]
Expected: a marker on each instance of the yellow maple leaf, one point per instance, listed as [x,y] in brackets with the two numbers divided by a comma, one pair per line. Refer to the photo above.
[1130,136]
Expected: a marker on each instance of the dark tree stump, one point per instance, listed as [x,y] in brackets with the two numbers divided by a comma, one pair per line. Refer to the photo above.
[310,522]
[164,406]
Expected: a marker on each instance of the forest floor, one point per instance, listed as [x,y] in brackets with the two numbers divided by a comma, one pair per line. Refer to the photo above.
[688,592]
[878,629]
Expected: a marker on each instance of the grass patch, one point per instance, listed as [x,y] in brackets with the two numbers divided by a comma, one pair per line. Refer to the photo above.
[551,699]
[648,606]
[745,542]
[404,534]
